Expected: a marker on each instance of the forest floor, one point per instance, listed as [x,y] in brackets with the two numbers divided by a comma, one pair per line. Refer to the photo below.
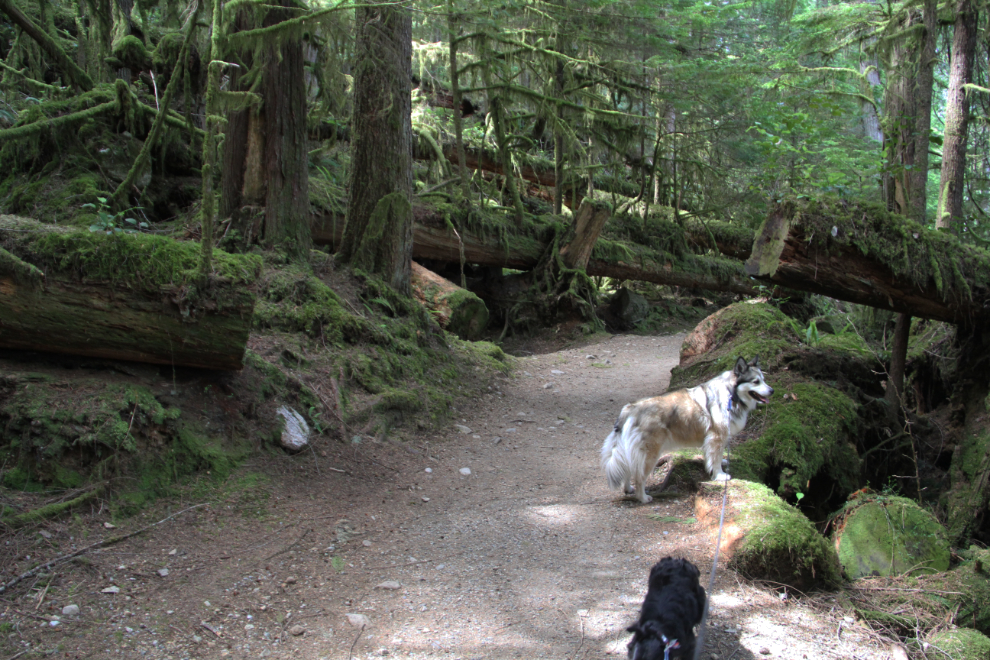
[496,540]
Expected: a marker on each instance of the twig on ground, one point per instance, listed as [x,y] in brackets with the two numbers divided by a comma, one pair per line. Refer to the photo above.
[99,544]
[350,654]
[288,547]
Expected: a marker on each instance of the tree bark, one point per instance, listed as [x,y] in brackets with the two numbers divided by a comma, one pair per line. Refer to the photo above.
[455,90]
[381,160]
[457,310]
[950,205]
[265,161]
[48,44]
[924,83]
[433,240]
[286,153]
[588,222]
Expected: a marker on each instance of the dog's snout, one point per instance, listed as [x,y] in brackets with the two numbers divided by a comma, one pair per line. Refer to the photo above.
[771,390]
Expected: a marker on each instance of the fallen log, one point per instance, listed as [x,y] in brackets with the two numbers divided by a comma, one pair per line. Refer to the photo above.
[864,254]
[122,296]
[457,310]
[435,239]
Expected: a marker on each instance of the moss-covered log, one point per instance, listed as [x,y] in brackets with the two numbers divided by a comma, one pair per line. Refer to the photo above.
[434,239]
[455,309]
[123,296]
[865,254]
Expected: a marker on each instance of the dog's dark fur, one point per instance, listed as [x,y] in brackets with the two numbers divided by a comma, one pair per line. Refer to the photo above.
[674,605]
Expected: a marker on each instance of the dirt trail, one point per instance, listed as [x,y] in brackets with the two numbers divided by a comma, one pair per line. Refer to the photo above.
[527,556]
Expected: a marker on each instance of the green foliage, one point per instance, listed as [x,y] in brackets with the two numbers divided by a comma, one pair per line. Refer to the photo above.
[114,223]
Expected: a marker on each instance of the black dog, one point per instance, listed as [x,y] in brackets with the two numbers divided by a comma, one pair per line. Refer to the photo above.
[674,605]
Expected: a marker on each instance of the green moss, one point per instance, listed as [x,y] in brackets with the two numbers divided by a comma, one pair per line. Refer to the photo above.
[807,436]
[291,298]
[130,51]
[962,644]
[469,315]
[741,329]
[777,542]
[881,535]
[962,500]
[136,261]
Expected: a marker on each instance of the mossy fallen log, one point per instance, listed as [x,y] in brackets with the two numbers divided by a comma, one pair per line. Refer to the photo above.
[864,254]
[122,296]
[435,239]
[457,310]
[51,510]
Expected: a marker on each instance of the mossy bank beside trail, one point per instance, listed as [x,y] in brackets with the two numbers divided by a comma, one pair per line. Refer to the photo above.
[361,365]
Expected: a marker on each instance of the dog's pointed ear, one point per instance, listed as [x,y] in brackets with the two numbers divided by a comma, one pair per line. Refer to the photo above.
[741,366]
[756,361]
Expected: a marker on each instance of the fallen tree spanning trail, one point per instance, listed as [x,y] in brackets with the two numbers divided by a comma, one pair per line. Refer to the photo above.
[866,255]
[434,239]
[122,297]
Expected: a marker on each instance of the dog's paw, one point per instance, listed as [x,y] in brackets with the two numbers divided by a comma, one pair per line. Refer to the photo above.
[722,476]
[630,490]
[646,499]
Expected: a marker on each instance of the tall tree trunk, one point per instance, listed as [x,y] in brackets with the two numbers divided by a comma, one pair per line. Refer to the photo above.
[950,187]
[924,82]
[558,135]
[871,120]
[286,153]
[265,160]
[378,234]
[455,90]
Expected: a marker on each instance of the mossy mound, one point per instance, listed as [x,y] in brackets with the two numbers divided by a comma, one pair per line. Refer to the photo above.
[766,538]
[881,535]
[962,502]
[806,438]
[962,644]
[390,362]
[747,329]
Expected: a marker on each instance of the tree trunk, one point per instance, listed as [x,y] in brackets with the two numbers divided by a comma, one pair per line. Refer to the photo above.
[950,205]
[898,360]
[455,90]
[871,120]
[433,240]
[265,160]
[927,277]
[286,153]
[381,160]
[588,222]
[924,83]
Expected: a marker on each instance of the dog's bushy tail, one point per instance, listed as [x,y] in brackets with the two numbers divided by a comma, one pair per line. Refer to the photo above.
[617,451]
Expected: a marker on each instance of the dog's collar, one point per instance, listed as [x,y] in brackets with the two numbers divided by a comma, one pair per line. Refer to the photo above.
[670,644]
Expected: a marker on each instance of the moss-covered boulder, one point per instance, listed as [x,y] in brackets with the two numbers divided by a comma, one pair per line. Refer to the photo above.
[747,328]
[803,443]
[881,535]
[807,438]
[962,644]
[765,538]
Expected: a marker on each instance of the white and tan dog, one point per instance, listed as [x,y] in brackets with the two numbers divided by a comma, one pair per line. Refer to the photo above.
[703,417]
